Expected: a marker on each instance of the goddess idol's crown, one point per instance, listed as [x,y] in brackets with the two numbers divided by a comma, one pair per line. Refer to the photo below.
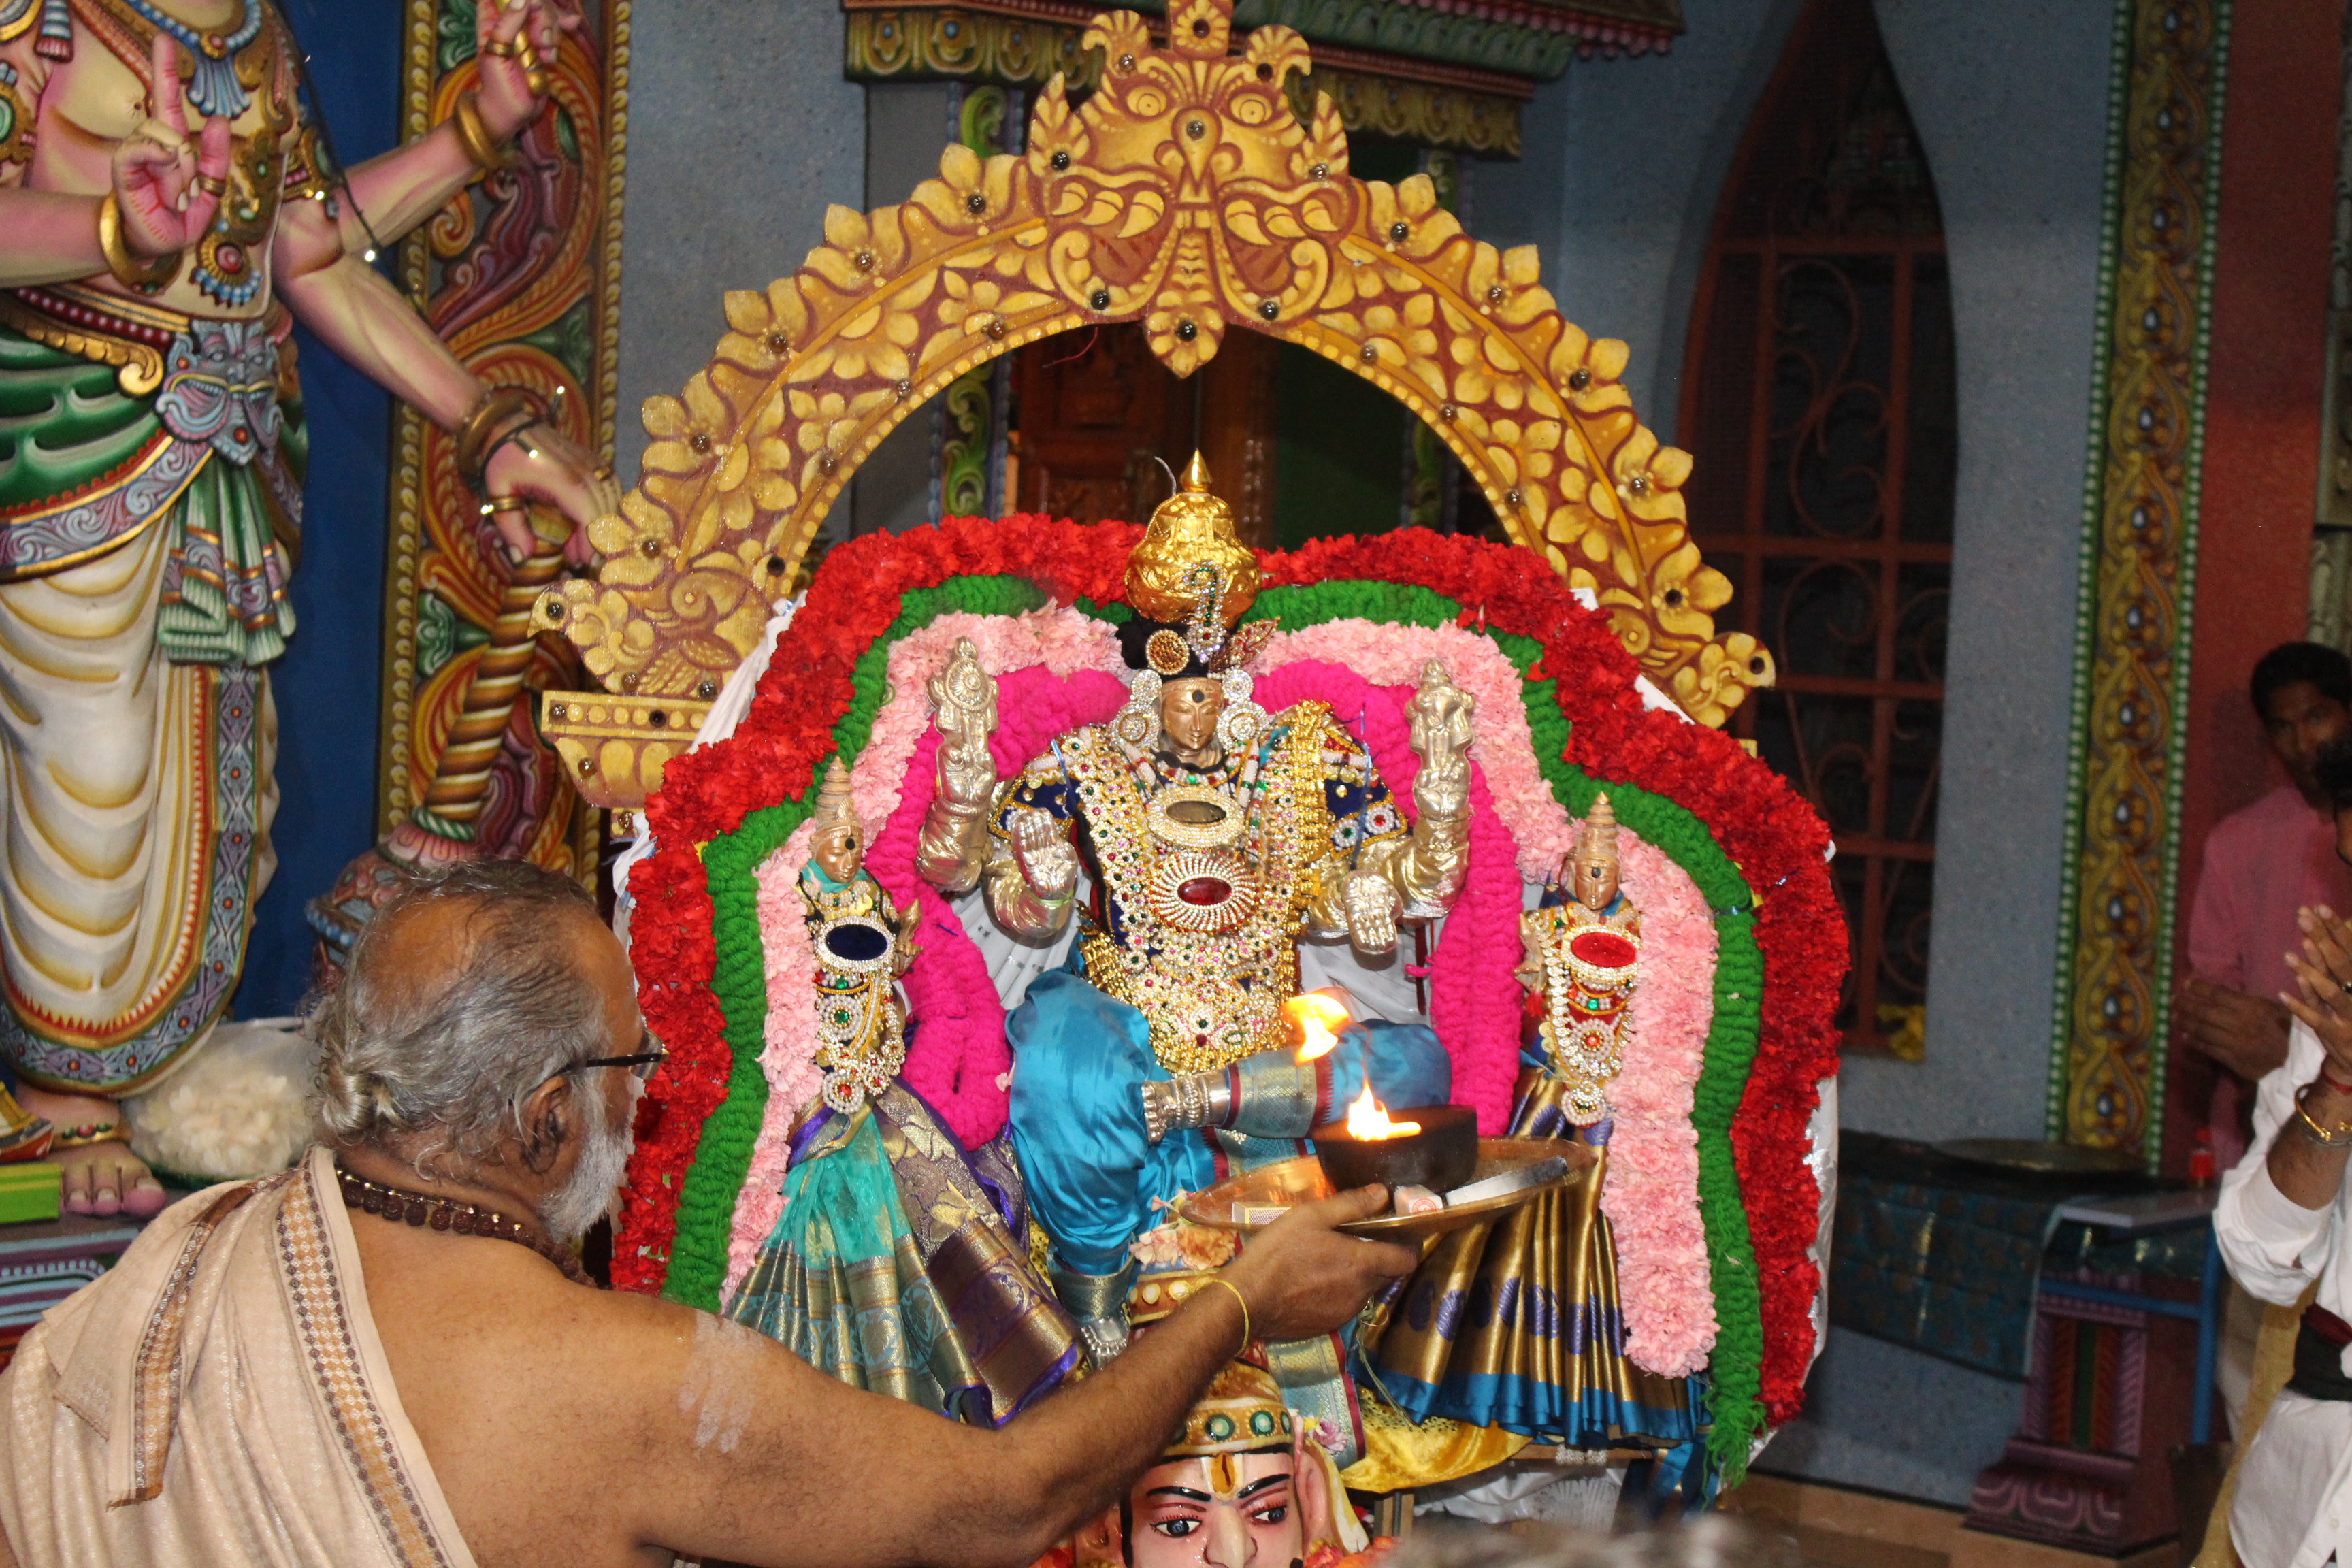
[1189,569]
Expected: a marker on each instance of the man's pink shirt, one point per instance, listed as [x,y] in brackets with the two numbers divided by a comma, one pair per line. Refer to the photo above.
[2260,866]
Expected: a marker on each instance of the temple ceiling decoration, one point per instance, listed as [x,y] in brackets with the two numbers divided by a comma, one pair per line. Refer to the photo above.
[1183,195]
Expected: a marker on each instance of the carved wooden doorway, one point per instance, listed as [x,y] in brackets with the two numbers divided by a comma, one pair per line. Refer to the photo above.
[1819,403]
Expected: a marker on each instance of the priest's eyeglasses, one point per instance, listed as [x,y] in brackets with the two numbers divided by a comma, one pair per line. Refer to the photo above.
[642,1065]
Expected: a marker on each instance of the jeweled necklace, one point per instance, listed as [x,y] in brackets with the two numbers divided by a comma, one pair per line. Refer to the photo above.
[397,1204]
[214,87]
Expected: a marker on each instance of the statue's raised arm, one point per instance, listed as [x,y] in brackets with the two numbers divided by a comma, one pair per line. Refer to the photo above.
[954,846]
[1411,876]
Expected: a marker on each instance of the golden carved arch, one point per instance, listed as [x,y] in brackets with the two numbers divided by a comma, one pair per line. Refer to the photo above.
[1183,194]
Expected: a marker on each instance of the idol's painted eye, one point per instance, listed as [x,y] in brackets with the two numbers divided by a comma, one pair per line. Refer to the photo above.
[1274,1515]
[1176,1528]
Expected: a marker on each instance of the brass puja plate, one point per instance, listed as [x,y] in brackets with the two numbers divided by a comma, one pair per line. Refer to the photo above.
[1254,1199]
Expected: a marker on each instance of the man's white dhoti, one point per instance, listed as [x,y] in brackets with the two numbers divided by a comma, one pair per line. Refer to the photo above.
[221,1396]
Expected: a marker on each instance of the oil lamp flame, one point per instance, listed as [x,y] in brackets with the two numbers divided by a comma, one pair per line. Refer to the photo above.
[1368,1121]
[1318,1019]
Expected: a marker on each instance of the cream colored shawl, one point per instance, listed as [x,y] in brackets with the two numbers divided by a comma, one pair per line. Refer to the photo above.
[220,1396]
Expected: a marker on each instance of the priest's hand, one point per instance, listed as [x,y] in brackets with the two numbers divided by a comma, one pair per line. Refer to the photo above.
[1301,1277]
[2247,1035]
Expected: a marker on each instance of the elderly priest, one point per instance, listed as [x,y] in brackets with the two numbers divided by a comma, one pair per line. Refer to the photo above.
[271,1376]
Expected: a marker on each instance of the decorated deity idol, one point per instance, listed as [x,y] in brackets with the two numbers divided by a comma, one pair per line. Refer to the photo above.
[900,1264]
[170,212]
[1185,849]
[1562,1372]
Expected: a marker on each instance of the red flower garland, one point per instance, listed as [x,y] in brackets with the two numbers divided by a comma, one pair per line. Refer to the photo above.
[1771,834]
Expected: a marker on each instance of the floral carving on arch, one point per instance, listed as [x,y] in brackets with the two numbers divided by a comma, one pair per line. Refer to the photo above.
[1185,196]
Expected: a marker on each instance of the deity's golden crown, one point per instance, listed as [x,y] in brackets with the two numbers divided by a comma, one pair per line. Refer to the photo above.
[1242,1411]
[1192,534]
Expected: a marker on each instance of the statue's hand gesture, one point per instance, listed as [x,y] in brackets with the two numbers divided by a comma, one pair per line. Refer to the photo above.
[1041,846]
[168,189]
[1439,715]
[963,700]
[1372,903]
[516,42]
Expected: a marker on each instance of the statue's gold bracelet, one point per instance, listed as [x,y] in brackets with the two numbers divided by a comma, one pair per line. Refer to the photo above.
[487,154]
[131,271]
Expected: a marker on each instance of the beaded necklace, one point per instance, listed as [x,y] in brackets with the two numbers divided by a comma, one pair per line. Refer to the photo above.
[212,86]
[397,1204]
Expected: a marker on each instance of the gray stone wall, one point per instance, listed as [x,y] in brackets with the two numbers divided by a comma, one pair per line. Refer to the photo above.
[741,131]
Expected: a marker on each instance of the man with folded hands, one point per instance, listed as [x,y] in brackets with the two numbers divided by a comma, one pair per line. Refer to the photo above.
[274,1375]
[2283,1220]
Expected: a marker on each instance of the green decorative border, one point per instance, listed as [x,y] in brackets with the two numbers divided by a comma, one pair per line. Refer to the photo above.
[2077,928]
[730,864]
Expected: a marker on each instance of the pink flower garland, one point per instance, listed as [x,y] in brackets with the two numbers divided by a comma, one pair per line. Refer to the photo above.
[1651,1196]
[787,1059]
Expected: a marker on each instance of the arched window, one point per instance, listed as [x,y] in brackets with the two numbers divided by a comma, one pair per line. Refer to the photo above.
[1818,401]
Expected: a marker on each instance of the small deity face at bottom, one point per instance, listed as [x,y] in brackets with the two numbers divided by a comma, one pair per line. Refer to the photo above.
[839,851]
[1223,1511]
[1188,711]
[1595,881]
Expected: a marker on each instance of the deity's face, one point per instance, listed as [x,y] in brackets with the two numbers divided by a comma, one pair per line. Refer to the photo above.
[1594,881]
[839,851]
[1225,1510]
[1188,711]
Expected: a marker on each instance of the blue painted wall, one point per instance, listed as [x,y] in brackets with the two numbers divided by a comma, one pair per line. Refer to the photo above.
[327,683]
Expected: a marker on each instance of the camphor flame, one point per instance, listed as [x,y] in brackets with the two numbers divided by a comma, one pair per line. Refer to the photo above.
[1368,1121]
[1320,1019]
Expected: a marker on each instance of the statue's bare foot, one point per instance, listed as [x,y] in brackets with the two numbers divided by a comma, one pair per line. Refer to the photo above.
[102,1178]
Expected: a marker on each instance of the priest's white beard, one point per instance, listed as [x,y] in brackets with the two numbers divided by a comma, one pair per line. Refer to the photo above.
[588,1196]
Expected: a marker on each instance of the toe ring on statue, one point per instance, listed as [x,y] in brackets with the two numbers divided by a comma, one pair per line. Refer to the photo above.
[88,1133]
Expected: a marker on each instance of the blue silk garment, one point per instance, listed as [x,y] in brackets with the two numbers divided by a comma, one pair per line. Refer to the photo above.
[1079,1060]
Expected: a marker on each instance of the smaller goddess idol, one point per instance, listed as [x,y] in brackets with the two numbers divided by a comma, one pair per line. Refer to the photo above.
[896,1264]
[1517,1324]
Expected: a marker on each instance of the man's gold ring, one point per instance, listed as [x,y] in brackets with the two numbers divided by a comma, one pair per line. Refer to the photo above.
[212,185]
[498,504]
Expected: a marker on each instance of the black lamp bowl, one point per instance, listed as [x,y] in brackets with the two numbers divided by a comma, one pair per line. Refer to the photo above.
[1442,1156]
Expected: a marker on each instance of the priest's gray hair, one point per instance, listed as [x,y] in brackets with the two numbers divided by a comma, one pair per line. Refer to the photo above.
[440,1066]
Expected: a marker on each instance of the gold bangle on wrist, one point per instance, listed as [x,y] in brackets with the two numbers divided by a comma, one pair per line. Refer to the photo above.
[488,153]
[498,412]
[133,271]
[1243,1302]
[2339,1137]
